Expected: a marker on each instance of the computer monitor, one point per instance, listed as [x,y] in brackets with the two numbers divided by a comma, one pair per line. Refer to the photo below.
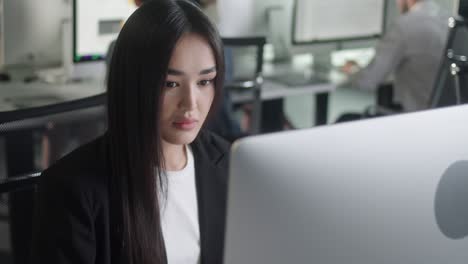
[95,25]
[337,20]
[294,21]
[32,32]
[387,190]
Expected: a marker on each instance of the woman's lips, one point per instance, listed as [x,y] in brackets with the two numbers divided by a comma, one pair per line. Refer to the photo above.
[185,124]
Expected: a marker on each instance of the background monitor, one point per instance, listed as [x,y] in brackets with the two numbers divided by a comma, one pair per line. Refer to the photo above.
[32,32]
[387,190]
[293,19]
[324,21]
[96,24]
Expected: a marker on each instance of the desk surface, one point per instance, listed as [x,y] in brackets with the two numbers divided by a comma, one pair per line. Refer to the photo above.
[272,89]
[18,95]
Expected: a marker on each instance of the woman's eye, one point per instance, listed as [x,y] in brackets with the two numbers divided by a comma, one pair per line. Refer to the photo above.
[205,82]
[171,84]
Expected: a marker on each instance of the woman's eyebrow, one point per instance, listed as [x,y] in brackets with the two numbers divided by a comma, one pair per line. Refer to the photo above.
[171,71]
[209,70]
[174,72]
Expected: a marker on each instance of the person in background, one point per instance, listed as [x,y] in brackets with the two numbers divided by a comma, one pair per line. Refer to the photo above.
[153,188]
[411,50]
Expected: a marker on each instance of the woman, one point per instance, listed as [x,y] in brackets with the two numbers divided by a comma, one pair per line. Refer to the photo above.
[153,188]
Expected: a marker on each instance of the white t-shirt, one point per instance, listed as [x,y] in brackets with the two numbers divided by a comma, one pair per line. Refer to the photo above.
[179,215]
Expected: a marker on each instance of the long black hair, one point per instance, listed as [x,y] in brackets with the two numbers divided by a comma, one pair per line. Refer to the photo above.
[136,76]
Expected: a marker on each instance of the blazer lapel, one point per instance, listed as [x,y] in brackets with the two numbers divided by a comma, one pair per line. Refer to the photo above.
[211,194]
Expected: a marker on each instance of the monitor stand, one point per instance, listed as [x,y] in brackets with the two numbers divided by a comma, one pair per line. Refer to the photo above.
[276,28]
[322,64]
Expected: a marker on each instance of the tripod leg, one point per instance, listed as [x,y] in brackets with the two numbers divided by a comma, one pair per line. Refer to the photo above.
[457,89]
[444,67]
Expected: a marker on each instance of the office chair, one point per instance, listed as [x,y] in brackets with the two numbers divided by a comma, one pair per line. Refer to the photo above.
[47,133]
[16,212]
[244,70]
[384,105]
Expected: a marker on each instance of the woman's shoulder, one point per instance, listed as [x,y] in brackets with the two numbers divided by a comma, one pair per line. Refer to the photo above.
[84,169]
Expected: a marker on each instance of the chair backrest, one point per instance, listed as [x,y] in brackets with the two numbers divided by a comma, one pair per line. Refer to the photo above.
[444,92]
[16,217]
[32,139]
[244,66]
[244,58]
[51,131]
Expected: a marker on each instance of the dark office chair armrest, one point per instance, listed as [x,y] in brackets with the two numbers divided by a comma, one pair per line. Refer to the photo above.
[385,104]
[385,99]
[385,95]
[256,82]
[241,85]
[13,184]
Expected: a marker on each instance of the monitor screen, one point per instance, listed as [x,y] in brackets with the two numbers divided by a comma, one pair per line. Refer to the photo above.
[96,24]
[333,20]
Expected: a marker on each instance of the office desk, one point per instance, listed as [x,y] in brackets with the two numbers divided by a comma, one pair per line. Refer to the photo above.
[19,95]
[271,90]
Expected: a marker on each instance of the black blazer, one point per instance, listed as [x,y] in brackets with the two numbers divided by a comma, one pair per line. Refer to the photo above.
[73,224]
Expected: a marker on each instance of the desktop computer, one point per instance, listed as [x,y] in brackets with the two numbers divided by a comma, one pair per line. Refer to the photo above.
[95,25]
[86,37]
[319,28]
[388,190]
[53,42]
[337,20]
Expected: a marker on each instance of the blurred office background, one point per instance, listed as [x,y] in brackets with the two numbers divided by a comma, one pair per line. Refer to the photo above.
[46,46]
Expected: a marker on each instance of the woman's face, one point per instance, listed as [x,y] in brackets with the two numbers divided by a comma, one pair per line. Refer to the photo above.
[189,89]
